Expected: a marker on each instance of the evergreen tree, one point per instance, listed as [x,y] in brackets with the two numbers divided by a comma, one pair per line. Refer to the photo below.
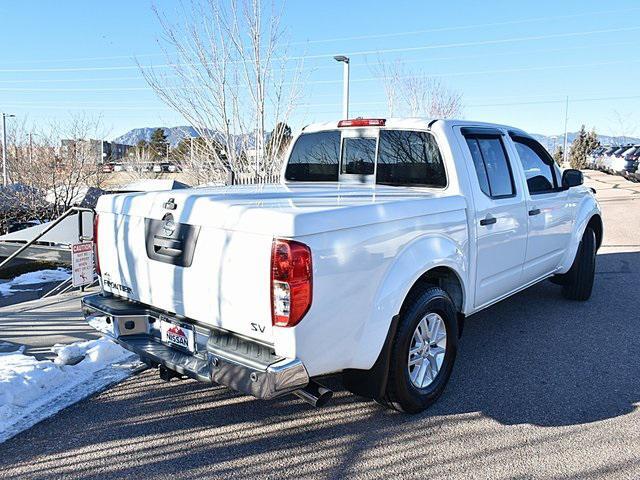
[558,155]
[581,147]
[158,143]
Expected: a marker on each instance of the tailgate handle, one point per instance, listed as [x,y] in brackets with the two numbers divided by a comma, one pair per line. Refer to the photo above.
[164,242]
[166,246]
[175,247]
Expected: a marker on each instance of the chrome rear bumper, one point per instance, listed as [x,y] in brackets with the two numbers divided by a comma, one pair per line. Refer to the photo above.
[223,358]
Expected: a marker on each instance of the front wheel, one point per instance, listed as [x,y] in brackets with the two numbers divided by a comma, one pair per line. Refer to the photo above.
[579,280]
[423,351]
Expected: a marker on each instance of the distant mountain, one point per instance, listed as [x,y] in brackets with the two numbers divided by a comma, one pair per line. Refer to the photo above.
[550,142]
[175,134]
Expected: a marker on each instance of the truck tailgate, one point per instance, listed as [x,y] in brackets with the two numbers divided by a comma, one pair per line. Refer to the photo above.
[217,277]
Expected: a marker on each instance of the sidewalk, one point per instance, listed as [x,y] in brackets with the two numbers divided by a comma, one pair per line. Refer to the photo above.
[40,324]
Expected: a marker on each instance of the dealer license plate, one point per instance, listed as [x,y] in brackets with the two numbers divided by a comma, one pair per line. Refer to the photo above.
[176,335]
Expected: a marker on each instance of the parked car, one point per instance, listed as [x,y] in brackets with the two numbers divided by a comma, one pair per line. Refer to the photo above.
[605,157]
[107,168]
[157,168]
[382,237]
[630,164]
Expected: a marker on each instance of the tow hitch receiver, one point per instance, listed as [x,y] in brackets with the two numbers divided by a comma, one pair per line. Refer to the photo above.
[167,374]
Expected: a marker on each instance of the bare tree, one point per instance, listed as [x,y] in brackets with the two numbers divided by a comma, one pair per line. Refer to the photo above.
[47,178]
[624,127]
[228,78]
[416,94]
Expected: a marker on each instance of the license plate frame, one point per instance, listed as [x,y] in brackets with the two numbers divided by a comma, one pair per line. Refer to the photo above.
[177,334]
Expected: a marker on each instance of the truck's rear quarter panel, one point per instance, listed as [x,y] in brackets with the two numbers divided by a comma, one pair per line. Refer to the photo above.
[346,326]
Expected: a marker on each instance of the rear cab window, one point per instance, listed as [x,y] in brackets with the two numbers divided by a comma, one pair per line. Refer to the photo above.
[393,157]
[315,157]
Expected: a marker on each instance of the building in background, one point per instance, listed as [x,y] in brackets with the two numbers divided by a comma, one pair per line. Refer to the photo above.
[101,150]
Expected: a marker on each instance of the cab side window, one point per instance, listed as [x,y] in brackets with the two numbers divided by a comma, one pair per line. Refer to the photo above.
[492,165]
[537,164]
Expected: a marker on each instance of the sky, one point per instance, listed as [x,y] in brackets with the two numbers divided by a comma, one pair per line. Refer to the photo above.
[513,62]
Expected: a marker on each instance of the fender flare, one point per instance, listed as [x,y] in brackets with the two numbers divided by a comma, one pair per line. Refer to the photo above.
[586,211]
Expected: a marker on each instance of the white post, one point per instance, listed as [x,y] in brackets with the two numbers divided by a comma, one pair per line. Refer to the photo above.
[566,118]
[4,150]
[345,91]
[345,84]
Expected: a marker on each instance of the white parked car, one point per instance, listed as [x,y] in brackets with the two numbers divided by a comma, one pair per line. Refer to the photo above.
[381,238]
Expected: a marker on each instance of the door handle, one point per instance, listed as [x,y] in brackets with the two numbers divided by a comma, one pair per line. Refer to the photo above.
[535,211]
[488,221]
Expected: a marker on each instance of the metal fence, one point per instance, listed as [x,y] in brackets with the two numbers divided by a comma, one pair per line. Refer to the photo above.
[249,179]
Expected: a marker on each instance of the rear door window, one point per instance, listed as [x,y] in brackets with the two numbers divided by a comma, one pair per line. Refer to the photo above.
[409,158]
[492,165]
[315,157]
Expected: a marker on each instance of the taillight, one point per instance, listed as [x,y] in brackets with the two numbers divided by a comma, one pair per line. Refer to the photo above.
[95,244]
[291,282]
[362,122]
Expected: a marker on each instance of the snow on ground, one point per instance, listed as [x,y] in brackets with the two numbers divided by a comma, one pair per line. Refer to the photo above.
[31,278]
[32,390]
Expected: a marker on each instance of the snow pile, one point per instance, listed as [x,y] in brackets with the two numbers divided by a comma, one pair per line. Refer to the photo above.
[32,390]
[32,278]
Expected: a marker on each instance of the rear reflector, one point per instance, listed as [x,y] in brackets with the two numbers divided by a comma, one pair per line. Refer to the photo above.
[291,282]
[96,257]
[362,122]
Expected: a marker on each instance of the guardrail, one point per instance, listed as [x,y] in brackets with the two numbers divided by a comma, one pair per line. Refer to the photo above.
[71,211]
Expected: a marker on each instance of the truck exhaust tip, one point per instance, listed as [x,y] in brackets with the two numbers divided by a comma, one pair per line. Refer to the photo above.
[314,394]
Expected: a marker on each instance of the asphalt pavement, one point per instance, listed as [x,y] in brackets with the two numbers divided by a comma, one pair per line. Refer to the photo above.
[542,388]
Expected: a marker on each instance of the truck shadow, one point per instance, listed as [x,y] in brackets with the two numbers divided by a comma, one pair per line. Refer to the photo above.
[540,359]
[533,359]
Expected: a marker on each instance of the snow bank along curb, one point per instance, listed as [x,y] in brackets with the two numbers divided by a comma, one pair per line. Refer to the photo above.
[31,278]
[32,390]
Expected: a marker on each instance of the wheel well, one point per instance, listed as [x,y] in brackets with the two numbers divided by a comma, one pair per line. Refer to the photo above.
[445,278]
[596,224]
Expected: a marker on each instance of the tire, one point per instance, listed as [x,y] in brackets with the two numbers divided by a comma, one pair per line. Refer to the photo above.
[404,393]
[579,279]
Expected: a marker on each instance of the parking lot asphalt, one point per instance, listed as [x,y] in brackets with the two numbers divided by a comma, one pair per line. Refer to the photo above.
[543,388]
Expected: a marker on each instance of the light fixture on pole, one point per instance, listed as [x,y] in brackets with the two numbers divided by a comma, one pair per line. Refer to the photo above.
[345,86]
[4,147]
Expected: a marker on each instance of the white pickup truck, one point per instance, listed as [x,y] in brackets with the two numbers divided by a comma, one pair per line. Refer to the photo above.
[364,261]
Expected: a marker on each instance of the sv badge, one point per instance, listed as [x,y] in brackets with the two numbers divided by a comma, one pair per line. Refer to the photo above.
[257,327]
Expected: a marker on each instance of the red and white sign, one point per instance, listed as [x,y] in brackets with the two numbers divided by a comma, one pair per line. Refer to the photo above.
[82,263]
[176,335]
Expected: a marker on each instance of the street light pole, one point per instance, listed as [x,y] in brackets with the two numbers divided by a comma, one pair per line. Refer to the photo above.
[4,148]
[345,84]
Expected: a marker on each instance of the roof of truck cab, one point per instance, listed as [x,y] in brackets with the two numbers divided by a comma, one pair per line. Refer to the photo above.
[415,123]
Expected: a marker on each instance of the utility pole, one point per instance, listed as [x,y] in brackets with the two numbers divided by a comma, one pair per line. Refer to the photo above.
[345,84]
[566,119]
[30,147]
[4,147]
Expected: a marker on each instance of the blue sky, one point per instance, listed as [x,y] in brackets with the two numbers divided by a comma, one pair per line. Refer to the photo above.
[514,62]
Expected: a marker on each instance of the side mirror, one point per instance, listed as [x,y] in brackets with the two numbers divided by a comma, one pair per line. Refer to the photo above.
[572,178]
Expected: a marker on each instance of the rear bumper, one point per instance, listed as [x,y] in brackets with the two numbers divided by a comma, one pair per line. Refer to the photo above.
[223,358]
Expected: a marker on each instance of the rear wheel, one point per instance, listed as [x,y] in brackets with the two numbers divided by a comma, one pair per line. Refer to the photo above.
[579,279]
[423,351]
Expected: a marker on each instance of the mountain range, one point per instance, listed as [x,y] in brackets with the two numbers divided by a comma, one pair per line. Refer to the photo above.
[175,134]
